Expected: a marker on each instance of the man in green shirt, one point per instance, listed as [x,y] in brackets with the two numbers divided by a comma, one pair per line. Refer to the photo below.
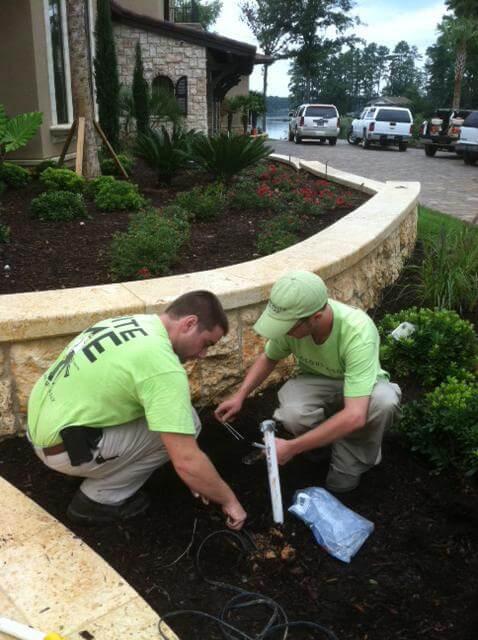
[116,405]
[341,397]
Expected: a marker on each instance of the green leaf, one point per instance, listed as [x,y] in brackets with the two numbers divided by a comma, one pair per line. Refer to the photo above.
[3,122]
[20,129]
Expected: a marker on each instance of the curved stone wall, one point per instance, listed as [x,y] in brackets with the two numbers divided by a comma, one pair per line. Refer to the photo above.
[357,256]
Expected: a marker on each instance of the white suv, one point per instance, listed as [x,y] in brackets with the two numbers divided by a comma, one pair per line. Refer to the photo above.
[319,121]
[467,145]
[382,125]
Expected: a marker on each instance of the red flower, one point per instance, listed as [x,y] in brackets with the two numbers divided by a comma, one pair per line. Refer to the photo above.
[144,273]
[264,190]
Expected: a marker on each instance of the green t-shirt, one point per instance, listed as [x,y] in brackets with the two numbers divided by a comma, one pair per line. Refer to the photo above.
[114,372]
[350,353]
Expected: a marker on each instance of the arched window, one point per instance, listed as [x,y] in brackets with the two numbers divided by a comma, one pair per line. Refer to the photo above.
[182,94]
[162,83]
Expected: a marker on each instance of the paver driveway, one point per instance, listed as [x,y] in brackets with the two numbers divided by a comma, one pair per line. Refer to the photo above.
[447,183]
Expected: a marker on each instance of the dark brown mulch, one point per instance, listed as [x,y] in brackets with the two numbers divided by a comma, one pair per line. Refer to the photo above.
[52,255]
[415,577]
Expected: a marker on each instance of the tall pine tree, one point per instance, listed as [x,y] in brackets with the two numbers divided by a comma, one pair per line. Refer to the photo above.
[140,94]
[106,74]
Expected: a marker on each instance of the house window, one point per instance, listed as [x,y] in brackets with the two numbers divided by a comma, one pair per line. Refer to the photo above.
[182,94]
[162,84]
[58,61]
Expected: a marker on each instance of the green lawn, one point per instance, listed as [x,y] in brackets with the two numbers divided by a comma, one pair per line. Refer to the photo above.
[430,222]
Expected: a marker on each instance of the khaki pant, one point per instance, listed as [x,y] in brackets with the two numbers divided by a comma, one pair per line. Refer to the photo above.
[308,400]
[131,452]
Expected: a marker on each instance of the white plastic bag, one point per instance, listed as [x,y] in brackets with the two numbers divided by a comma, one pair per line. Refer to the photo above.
[336,528]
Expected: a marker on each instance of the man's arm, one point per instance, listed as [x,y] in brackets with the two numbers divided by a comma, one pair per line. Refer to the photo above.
[199,474]
[256,375]
[351,418]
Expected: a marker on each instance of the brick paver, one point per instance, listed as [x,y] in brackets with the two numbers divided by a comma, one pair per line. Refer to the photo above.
[448,185]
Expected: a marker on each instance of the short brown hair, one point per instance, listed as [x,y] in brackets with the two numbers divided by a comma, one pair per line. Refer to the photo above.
[203,304]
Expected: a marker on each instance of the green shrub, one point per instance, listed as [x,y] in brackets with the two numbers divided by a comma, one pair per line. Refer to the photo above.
[13,175]
[93,186]
[441,345]
[448,273]
[164,152]
[245,197]
[3,186]
[299,206]
[149,247]
[277,234]
[110,168]
[45,164]
[118,196]
[203,203]
[4,233]
[444,425]
[226,156]
[180,216]
[58,206]
[55,179]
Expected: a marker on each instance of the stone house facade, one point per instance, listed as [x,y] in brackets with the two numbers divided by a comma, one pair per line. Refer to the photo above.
[170,61]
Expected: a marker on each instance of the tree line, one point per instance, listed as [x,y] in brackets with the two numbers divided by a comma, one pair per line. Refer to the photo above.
[330,64]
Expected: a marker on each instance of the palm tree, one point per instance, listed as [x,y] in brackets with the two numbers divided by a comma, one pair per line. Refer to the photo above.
[81,81]
[461,30]
[229,107]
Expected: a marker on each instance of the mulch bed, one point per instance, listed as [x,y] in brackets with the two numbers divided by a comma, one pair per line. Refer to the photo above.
[415,577]
[52,255]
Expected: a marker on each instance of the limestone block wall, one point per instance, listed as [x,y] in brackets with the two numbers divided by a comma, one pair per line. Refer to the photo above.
[357,257]
[166,57]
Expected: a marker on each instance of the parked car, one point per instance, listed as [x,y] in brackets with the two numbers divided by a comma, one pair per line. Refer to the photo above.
[319,121]
[383,126]
[467,145]
[442,131]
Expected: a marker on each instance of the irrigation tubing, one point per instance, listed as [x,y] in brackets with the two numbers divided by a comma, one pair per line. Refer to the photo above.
[277,621]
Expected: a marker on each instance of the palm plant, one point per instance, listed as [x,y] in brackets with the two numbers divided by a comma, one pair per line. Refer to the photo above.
[225,156]
[231,106]
[16,132]
[257,106]
[163,106]
[165,152]
[460,31]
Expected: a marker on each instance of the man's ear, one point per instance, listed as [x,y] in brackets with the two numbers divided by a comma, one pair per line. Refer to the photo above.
[188,323]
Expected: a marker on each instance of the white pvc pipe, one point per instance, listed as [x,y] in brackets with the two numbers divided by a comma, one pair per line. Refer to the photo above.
[268,429]
[21,631]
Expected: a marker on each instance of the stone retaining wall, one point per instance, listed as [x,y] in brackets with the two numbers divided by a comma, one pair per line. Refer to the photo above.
[357,257]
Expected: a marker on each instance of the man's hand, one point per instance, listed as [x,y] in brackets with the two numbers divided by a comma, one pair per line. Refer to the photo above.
[235,515]
[285,451]
[229,408]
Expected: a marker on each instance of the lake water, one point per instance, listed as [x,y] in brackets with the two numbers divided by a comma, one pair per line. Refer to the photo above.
[277,127]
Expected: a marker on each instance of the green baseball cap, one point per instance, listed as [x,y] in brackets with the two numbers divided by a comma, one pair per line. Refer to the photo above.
[297,295]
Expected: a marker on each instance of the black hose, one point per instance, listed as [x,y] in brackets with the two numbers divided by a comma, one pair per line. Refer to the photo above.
[277,621]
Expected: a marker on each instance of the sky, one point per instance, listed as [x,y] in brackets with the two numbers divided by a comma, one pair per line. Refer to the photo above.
[386,22]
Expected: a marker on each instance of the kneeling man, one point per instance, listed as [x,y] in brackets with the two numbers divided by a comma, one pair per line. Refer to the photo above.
[341,397]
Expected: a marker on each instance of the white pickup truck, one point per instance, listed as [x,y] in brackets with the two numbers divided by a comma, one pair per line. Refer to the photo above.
[383,126]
